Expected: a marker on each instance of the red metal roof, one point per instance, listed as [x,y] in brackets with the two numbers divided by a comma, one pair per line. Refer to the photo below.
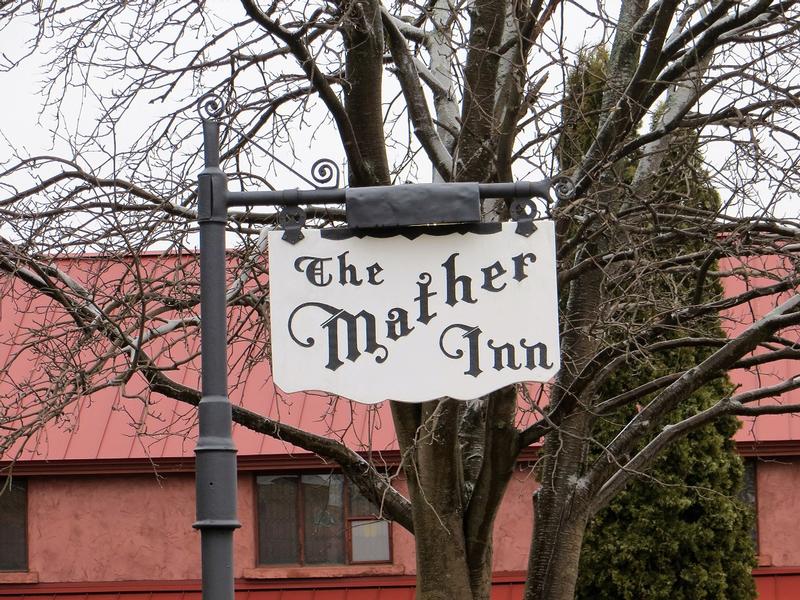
[767,428]
[128,423]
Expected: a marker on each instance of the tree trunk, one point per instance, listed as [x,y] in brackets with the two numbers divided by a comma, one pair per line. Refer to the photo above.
[442,572]
[498,453]
[561,511]
[363,37]
[428,437]
[453,528]
[556,551]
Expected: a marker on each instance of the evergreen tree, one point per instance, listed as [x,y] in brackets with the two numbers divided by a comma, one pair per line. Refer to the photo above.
[678,531]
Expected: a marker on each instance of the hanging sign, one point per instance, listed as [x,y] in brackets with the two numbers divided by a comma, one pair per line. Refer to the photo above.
[377,318]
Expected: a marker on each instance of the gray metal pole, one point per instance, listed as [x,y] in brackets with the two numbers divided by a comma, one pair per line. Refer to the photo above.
[215,461]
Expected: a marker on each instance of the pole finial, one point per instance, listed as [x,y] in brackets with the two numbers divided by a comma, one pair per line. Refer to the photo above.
[210,106]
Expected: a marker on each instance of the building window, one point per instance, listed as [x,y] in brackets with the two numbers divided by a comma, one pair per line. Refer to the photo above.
[318,520]
[13,525]
[748,495]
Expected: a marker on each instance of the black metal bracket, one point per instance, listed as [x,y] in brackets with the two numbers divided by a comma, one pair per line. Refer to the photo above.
[523,211]
[408,205]
[292,219]
[385,207]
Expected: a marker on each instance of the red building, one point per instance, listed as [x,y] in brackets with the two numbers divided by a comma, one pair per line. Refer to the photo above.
[102,501]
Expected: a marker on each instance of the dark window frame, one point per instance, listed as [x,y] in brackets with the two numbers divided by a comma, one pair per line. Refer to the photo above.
[750,463]
[21,485]
[348,519]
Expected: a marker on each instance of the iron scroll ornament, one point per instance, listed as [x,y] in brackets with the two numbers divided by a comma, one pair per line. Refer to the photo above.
[292,219]
[563,188]
[323,172]
[210,106]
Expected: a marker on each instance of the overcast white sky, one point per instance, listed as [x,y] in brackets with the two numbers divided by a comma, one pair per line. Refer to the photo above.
[20,101]
[25,127]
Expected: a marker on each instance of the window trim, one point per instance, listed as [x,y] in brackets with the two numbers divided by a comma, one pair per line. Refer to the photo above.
[349,541]
[13,574]
[347,520]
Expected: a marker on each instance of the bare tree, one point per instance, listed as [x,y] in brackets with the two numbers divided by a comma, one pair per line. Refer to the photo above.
[475,90]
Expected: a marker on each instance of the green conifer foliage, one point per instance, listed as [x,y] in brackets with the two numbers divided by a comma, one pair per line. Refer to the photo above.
[677,531]
[580,113]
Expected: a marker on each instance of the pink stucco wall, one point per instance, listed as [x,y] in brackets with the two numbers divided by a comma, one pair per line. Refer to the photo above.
[778,511]
[514,525]
[139,527]
[112,528]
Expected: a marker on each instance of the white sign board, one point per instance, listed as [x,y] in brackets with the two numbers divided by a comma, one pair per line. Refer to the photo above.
[393,318]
